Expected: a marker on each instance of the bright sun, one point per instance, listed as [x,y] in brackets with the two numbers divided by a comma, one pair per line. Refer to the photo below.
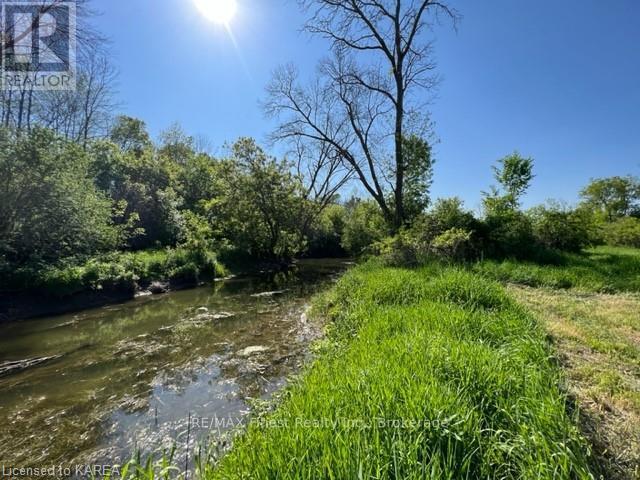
[219,11]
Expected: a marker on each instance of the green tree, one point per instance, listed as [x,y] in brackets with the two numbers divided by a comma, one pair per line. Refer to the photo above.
[623,232]
[148,186]
[130,134]
[326,232]
[418,176]
[49,206]
[199,181]
[507,231]
[261,204]
[514,173]
[365,225]
[176,145]
[613,197]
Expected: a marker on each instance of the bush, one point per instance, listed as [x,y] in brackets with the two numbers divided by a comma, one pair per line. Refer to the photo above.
[325,236]
[624,232]
[63,282]
[109,276]
[509,233]
[188,273]
[561,229]
[401,250]
[364,226]
[49,206]
[446,214]
[454,244]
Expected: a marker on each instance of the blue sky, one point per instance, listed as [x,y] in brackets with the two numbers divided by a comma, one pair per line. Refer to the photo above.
[556,80]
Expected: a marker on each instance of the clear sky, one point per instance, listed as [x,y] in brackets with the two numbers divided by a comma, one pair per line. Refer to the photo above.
[558,80]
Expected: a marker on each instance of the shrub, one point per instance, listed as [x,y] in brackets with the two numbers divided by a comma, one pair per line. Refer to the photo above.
[63,282]
[509,233]
[446,214]
[401,250]
[624,232]
[189,273]
[109,276]
[454,244]
[558,228]
[326,233]
[364,226]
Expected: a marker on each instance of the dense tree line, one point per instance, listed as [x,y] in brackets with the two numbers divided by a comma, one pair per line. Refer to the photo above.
[76,182]
[62,199]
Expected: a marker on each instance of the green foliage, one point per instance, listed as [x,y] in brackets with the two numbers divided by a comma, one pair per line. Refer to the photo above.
[326,232]
[514,173]
[401,250]
[130,135]
[425,374]
[147,185]
[624,232]
[176,145]
[509,233]
[446,214]
[118,272]
[613,197]
[558,228]
[261,204]
[199,181]
[364,226]
[454,244]
[418,176]
[49,207]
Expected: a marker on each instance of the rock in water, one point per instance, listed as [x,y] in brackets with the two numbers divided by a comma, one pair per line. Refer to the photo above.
[159,287]
[269,294]
[252,350]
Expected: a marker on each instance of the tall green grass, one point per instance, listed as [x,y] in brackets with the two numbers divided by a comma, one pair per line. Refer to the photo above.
[432,373]
[602,269]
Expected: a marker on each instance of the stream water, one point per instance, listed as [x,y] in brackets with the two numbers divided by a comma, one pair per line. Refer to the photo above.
[93,387]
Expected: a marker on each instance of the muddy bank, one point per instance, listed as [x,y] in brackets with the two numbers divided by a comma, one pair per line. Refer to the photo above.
[25,305]
[28,305]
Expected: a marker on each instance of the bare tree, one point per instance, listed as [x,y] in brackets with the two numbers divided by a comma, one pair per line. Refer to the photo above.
[322,174]
[81,114]
[370,94]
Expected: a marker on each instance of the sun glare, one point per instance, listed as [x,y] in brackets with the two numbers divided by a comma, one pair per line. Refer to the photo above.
[219,11]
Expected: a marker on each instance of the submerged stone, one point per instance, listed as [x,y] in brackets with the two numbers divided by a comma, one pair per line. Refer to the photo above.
[252,350]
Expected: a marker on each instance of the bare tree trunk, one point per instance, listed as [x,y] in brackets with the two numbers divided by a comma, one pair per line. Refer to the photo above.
[355,107]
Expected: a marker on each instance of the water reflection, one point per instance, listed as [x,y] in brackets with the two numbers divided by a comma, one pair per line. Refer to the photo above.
[129,376]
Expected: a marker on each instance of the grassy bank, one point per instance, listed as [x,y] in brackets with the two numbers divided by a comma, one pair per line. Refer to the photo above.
[429,373]
[602,269]
[118,271]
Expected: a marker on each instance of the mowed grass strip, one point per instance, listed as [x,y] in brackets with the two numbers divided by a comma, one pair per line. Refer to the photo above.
[433,373]
[601,269]
[597,338]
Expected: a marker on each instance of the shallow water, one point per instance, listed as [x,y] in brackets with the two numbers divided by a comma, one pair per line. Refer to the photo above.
[109,381]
